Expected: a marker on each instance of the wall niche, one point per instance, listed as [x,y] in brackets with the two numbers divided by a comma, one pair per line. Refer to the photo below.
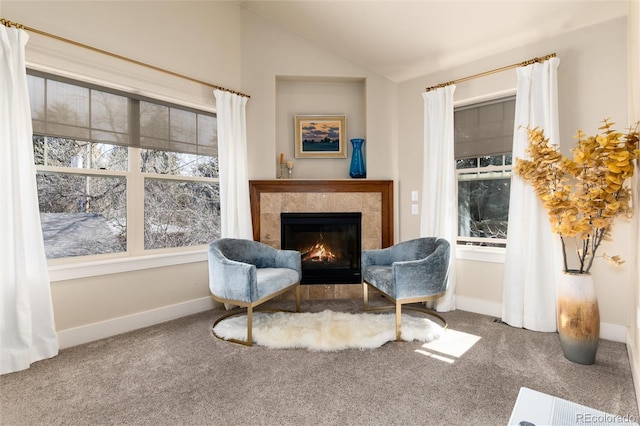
[297,95]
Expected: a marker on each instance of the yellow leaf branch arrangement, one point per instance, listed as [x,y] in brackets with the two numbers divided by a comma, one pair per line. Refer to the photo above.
[583,196]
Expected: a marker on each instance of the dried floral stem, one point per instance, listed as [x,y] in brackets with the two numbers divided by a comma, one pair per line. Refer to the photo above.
[564,254]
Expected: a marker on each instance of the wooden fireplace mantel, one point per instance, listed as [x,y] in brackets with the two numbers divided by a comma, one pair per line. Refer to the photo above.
[384,187]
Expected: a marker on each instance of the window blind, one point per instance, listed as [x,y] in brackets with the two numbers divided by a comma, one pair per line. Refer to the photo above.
[71,109]
[484,129]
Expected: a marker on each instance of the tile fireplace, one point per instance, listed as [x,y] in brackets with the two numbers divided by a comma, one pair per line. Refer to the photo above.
[373,199]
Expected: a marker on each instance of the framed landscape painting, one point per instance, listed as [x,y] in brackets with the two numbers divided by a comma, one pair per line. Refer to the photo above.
[320,136]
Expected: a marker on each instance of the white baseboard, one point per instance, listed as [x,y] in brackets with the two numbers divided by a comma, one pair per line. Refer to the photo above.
[478,306]
[634,360]
[614,332]
[100,330]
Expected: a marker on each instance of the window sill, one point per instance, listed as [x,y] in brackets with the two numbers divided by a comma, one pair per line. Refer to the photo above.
[114,266]
[481,254]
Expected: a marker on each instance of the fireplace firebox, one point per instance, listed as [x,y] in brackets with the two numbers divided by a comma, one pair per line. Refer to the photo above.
[329,243]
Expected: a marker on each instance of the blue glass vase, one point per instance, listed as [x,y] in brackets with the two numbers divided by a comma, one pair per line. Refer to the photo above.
[357,169]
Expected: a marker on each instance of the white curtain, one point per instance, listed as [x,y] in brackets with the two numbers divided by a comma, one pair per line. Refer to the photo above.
[235,208]
[439,216]
[533,258]
[27,329]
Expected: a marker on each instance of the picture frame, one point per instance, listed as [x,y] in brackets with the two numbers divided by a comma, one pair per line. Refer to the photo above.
[320,136]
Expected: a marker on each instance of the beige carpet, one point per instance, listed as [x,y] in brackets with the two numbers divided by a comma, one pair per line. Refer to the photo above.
[178,373]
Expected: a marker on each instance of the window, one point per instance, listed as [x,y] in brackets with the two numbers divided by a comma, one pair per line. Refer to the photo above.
[483,143]
[119,173]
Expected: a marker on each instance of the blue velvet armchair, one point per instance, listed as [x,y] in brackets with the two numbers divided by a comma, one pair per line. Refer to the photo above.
[409,272]
[248,273]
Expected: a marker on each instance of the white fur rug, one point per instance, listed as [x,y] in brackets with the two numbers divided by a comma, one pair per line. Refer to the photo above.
[327,330]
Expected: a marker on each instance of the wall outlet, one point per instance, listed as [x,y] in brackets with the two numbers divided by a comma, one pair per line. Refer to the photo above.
[414,209]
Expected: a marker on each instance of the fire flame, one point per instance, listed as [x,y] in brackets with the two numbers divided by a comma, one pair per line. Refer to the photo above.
[318,253]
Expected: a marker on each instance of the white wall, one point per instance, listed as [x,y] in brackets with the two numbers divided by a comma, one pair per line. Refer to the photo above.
[197,39]
[270,52]
[633,337]
[592,80]
[314,96]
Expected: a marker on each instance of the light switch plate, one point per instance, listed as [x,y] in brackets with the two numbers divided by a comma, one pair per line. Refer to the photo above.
[414,195]
[414,209]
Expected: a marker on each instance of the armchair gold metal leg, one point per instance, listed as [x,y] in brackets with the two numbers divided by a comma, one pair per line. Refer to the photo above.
[429,312]
[250,308]
[398,308]
[365,296]
[249,325]
[230,314]
[398,321]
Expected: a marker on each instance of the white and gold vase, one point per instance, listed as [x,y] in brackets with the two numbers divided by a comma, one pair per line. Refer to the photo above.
[578,317]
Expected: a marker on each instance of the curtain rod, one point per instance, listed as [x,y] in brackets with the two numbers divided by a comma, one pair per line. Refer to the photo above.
[8,23]
[497,70]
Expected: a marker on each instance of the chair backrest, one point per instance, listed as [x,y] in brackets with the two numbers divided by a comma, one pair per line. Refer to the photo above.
[416,249]
[438,251]
[441,247]
[443,252]
[246,251]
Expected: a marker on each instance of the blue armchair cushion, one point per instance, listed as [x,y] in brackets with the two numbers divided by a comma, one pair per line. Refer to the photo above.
[247,271]
[271,280]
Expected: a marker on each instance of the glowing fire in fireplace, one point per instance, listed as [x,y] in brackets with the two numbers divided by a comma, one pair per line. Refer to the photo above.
[318,253]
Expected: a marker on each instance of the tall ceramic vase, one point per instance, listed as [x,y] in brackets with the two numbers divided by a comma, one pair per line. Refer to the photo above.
[357,169]
[578,317]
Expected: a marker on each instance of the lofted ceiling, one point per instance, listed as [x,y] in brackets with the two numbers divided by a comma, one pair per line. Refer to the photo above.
[401,40]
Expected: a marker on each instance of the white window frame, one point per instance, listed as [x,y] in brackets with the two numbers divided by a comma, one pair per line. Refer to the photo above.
[135,257]
[474,252]
[484,173]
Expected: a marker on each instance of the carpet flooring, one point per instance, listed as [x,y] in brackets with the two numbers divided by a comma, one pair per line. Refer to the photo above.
[178,373]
